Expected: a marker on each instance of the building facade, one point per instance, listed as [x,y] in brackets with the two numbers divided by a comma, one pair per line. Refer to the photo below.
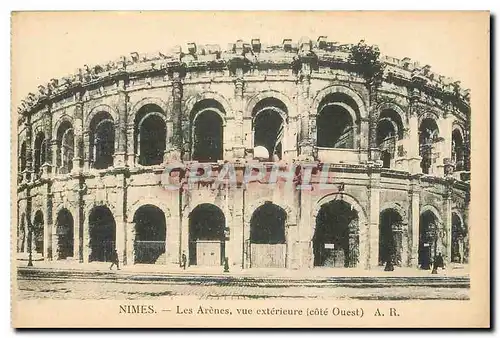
[370,154]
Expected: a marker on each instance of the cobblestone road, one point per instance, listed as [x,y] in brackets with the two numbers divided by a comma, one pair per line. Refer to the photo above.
[71,289]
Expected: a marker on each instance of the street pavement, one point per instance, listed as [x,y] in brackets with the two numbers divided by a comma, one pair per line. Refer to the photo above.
[95,281]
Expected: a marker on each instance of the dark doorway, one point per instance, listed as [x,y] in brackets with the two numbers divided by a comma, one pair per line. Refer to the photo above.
[38,226]
[64,230]
[102,229]
[336,240]
[427,242]
[390,240]
[206,235]
[207,137]
[267,236]
[150,236]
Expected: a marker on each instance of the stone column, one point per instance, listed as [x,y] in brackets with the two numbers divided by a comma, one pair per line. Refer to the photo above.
[130,240]
[176,139]
[78,133]
[412,146]
[121,130]
[48,224]
[237,228]
[86,151]
[306,223]
[445,160]
[86,239]
[130,144]
[414,222]
[373,151]
[374,218]
[76,233]
[121,218]
[404,245]
[29,152]
[364,132]
[48,138]
[447,226]
[305,145]
[184,227]
[238,146]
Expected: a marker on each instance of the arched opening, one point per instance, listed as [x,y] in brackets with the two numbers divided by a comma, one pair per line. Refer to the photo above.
[428,136]
[337,122]
[208,137]
[38,227]
[40,152]
[150,135]
[65,147]
[102,229]
[64,231]
[389,132]
[458,240]
[207,131]
[458,154]
[336,240]
[206,235]
[269,127]
[102,141]
[21,233]
[428,227]
[268,237]
[390,237]
[150,235]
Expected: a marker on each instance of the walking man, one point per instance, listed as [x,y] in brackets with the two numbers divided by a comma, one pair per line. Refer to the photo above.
[183,260]
[114,260]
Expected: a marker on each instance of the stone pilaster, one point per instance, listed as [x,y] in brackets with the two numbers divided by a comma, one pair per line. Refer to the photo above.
[238,146]
[121,218]
[48,224]
[412,145]
[445,160]
[29,152]
[76,232]
[306,146]
[448,220]
[48,138]
[131,156]
[405,255]
[78,134]
[86,146]
[373,150]
[374,217]
[176,140]
[236,228]
[414,223]
[121,130]
[130,239]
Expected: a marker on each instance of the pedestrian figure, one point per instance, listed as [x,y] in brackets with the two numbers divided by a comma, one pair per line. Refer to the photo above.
[226,264]
[183,260]
[440,261]
[114,260]
[389,266]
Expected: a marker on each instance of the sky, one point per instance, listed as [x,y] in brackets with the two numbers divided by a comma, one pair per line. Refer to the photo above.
[49,45]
